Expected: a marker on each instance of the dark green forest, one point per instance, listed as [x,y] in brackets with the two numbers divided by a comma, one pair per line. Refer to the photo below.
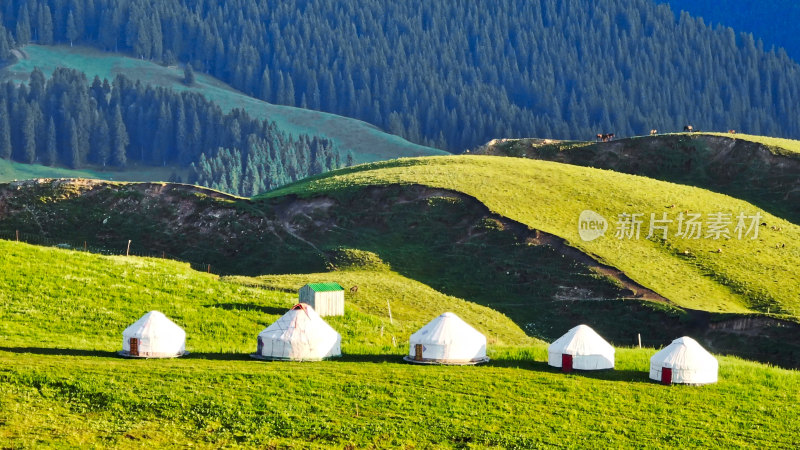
[773,21]
[68,121]
[452,74]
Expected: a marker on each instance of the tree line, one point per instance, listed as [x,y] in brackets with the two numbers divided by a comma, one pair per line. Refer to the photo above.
[65,120]
[774,21]
[451,74]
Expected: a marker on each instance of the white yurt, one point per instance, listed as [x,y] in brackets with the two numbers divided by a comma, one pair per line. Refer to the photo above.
[684,361]
[153,336]
[299,335]
[581,348]
[447,340]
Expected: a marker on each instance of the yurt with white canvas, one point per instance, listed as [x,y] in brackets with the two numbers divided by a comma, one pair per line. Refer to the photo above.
[153,336]
[447,340]
[299,335]
[581,348]
[684,361]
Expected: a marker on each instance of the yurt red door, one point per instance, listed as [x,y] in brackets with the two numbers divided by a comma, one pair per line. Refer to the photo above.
[566,363]
[666,375]
[134,343]
[418,352]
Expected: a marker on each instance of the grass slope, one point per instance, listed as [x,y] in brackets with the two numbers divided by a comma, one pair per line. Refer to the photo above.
[367,142]
[761,170]
[10,171]
[781,146]
[62,313]
[714,275]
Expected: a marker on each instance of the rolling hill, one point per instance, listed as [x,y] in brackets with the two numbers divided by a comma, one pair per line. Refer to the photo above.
[62,312]
[733,275]
[762,170]
[499,232]
[367,142]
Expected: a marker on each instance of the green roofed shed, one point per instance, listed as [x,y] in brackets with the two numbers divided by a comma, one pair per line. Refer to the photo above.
[325,287]
[327,299]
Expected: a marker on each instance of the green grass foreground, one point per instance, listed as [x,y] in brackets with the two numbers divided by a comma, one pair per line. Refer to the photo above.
[726,275]
[62,314]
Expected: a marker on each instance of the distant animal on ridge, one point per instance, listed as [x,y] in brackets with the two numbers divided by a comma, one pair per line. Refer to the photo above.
[653,132]
[605,137]
[688,128]
[732,131]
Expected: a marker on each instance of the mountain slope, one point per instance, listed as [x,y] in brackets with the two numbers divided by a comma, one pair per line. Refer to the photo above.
[439,72]
[771,21]
[726,275]
[366,142]
[763,171]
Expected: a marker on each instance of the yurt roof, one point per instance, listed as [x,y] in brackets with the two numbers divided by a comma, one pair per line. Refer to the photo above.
[683,352]
[447,328]
[153,323]
[581,340]
[300,322]
[325,287]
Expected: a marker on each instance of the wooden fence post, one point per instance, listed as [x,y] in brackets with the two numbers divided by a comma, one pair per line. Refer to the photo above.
[17,235]
[128,250]
[640,339]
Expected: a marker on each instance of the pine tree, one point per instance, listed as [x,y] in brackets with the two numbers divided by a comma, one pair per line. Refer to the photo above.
[23,26]
[188,75]
[119,140]
[5,131]
[51,149]
[44,26]
[73,150]
[72,29]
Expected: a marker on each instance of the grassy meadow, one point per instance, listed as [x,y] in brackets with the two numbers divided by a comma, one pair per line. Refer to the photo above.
[725,275]
[367,142]
[11,171]
[62,314]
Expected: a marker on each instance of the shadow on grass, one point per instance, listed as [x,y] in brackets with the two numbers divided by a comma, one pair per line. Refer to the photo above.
[59,351]
[271,310]
[376,359]
[218,356]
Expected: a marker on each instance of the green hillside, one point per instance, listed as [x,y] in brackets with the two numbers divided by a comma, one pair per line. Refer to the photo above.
[727,275]
[62,314]
[366,141]
[10,171]
[761,170]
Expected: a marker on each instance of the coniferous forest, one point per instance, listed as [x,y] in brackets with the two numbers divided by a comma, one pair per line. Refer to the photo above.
[774,21]
[68,121]
[451,74]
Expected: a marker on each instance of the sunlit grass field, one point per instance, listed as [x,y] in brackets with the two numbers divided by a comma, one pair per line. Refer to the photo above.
[62,314]
[725,275]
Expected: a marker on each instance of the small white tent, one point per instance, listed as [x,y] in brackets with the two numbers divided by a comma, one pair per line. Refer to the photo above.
[153,336]
[581,348]
[447,340]
[684,361]
[299,335]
